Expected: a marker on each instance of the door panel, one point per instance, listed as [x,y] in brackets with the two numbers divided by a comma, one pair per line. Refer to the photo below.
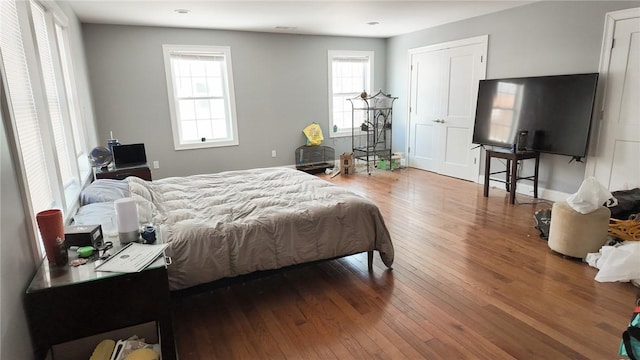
[617,166]
[625,153]
[456,138]
[424,145]
[460,86]
[425,108]
[464,69]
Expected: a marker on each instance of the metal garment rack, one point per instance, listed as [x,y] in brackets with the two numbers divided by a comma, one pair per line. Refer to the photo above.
[371,128]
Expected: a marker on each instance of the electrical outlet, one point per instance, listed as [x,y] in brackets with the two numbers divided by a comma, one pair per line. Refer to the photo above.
[156,164]
[273,153]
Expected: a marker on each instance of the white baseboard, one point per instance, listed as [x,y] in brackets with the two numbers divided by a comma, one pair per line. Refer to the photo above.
[526,188]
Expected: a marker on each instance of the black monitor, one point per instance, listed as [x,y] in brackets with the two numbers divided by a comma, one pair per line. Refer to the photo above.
[129,155]
[554,111]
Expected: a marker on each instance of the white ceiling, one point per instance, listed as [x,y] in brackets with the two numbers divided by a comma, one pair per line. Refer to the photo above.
[341,18]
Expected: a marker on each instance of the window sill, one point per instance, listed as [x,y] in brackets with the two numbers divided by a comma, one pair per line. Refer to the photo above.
[195,146]
[340,134]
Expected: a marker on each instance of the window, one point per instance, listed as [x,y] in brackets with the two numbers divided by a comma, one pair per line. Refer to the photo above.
[26,126]
[350,73]
[41,112]
[54,103]
[68,76]
[201,96]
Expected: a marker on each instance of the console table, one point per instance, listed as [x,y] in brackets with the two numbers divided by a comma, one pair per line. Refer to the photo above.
[511,171]
[68,303]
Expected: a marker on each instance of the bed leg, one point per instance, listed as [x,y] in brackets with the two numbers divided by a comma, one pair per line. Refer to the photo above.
[370,260]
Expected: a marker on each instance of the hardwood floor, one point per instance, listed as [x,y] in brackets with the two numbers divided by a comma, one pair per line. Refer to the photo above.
[471,280]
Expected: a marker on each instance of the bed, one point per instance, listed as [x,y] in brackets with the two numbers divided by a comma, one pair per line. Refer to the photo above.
[239,222]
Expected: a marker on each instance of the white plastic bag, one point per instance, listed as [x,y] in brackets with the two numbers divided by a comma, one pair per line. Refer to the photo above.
[590,196]
[619,263]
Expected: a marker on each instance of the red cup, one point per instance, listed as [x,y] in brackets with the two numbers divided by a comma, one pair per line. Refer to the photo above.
[51,228]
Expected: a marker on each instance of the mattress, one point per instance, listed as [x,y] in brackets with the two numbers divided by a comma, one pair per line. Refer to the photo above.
[238,222]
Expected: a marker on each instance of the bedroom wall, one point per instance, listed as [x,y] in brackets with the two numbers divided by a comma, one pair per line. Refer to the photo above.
[543,38]
[16,262]
[280,87]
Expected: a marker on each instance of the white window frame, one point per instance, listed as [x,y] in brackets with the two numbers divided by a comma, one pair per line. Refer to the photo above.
[228,95]
[337,54]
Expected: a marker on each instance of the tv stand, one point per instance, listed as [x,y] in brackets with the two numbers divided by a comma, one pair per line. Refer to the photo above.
[511,170]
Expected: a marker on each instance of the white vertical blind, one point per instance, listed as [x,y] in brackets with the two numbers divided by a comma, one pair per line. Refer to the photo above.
[52,93]
[76,124]
[23,107]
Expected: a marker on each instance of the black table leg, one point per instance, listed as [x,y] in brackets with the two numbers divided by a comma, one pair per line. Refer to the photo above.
[487,170]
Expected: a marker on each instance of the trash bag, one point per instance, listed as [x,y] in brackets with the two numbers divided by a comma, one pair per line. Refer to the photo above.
[590,196]
[313,133]
[628,203]
[542,219]
[619,263]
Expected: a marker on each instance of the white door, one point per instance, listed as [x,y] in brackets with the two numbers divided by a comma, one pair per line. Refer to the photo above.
[444,88]
[464,67]
[617,158]
[425,110]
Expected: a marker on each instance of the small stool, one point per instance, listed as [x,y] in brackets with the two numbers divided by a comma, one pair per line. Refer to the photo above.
[574,234]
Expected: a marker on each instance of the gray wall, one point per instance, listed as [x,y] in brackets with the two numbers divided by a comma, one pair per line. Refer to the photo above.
[280,87]
[544,38]
[16,261]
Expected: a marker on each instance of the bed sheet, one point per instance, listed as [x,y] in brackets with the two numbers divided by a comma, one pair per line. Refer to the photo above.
[237,222]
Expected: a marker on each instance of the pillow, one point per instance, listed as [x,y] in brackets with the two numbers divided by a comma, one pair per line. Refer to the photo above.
[104,190]
[103,213]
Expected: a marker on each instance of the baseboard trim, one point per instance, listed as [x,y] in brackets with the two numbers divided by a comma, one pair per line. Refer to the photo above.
[526,188]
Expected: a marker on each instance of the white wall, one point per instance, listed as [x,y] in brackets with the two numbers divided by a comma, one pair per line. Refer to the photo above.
[544,38]
[281,86]
[16,262]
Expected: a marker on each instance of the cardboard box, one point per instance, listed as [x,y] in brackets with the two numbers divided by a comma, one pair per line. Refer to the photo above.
[83,235]
[396,160]
[346,163]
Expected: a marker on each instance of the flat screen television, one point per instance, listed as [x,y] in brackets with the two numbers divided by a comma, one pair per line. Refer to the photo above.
[554,113]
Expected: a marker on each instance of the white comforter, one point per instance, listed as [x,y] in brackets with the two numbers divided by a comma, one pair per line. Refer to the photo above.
[237,222]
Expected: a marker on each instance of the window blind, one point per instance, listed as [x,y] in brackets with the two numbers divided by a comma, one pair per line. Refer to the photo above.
[52,93]
[23,107]
[78,137]
[77,127]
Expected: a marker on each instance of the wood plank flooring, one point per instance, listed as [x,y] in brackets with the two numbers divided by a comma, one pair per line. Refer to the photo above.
[471,280]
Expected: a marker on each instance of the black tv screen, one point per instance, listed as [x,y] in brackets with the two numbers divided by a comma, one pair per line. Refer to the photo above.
[129,155]
[555,111]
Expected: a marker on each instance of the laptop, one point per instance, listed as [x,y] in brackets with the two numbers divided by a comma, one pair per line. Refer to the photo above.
[129,155]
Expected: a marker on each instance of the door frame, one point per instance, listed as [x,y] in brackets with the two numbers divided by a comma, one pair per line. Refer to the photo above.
[605,57]
[481,39]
